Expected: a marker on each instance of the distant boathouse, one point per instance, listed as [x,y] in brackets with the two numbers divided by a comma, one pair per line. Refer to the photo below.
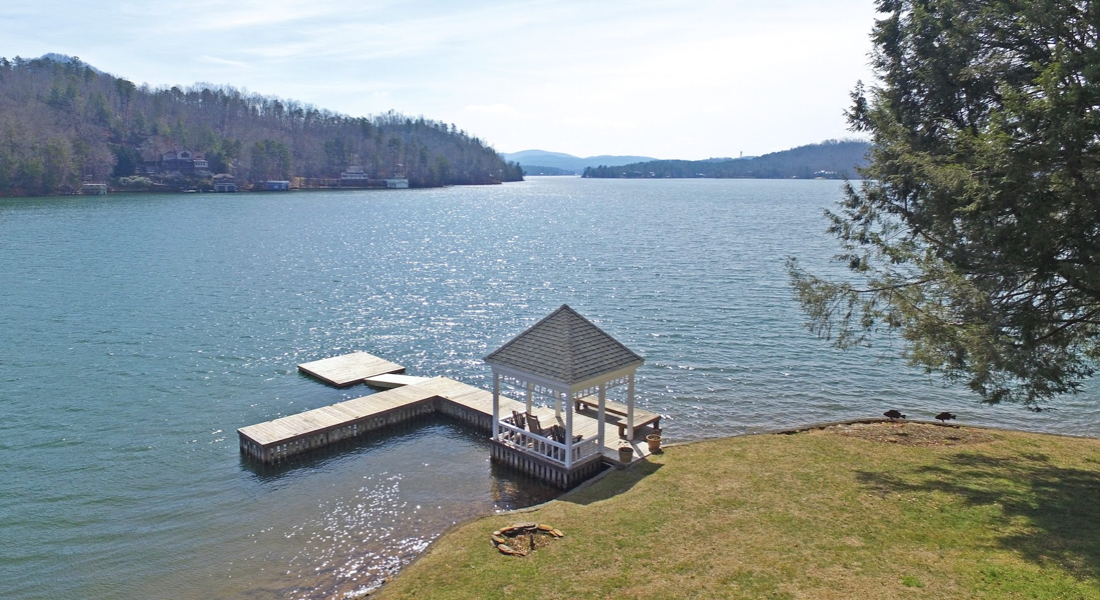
[563,360]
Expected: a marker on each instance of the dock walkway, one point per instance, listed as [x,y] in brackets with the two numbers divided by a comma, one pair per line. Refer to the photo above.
[411,397]
[293,434]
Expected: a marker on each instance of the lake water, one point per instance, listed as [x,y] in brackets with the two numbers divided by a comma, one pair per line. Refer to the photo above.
[140,331]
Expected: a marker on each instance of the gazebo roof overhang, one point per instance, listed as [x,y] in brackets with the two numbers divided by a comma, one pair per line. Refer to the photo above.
[564,351]
[573,389]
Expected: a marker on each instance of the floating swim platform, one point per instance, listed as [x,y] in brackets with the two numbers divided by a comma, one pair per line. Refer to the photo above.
[349,369]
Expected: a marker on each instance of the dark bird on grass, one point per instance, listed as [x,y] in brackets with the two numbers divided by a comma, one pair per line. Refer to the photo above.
[945,416]
[893,415]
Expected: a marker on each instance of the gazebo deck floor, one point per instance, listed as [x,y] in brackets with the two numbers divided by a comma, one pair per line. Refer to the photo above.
[586,424]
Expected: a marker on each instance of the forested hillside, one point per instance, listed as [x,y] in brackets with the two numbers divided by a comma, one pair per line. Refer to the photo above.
[830,159]
[63,123]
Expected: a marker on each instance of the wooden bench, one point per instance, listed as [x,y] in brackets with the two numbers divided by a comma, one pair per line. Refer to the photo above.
[641,417]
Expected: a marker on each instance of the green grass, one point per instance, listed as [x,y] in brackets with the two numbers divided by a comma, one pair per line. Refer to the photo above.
[812,515]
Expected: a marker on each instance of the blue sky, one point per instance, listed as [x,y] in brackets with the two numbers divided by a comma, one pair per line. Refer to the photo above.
[653,78]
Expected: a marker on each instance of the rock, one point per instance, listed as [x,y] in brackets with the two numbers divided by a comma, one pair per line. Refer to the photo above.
[514,531]
[510,551]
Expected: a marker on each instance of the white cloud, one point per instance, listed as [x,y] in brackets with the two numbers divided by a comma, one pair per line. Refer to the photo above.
[222,61]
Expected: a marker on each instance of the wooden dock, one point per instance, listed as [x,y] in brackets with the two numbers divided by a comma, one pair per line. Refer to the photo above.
[349,369]
[319,427]
[295,434]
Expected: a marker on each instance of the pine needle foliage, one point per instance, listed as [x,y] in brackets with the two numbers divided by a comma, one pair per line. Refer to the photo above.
[975,232]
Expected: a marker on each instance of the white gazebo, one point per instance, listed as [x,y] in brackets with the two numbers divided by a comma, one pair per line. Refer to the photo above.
[568,360]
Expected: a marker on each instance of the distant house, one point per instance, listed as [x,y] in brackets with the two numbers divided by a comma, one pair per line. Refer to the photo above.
[174,159]
[183,162]
[223,182]
[397,183]
[93,189]
[355,175]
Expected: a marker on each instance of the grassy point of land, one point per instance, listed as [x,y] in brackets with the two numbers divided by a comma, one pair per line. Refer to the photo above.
[858,511]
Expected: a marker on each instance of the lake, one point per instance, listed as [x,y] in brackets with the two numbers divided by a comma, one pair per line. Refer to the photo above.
[140,331]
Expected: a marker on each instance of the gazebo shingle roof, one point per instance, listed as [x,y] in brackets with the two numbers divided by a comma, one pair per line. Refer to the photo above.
[566,348]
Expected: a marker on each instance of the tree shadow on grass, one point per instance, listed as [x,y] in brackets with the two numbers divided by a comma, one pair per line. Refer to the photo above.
[612,484]
[1058,504]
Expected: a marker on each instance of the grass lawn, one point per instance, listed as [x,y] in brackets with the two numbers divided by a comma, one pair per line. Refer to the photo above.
[863,511]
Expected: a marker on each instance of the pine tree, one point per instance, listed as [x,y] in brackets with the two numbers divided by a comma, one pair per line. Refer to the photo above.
[976,230]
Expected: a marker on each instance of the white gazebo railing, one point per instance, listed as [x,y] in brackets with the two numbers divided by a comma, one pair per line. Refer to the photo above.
[544,447]
[585,448]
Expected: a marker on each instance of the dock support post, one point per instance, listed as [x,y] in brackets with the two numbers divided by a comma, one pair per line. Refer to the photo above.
[496,406]
[569,432]
[630,408]
[601,413]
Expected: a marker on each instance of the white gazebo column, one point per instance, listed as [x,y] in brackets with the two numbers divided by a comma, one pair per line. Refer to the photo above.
[530,394]
[496,405]
[600,414]
[569,432]
[630,408]
[557,404]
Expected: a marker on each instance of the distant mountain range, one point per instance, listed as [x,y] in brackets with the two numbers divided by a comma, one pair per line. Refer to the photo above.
[831,159]
[541,162]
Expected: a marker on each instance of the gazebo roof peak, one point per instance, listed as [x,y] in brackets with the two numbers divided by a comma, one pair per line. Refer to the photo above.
[564,347]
